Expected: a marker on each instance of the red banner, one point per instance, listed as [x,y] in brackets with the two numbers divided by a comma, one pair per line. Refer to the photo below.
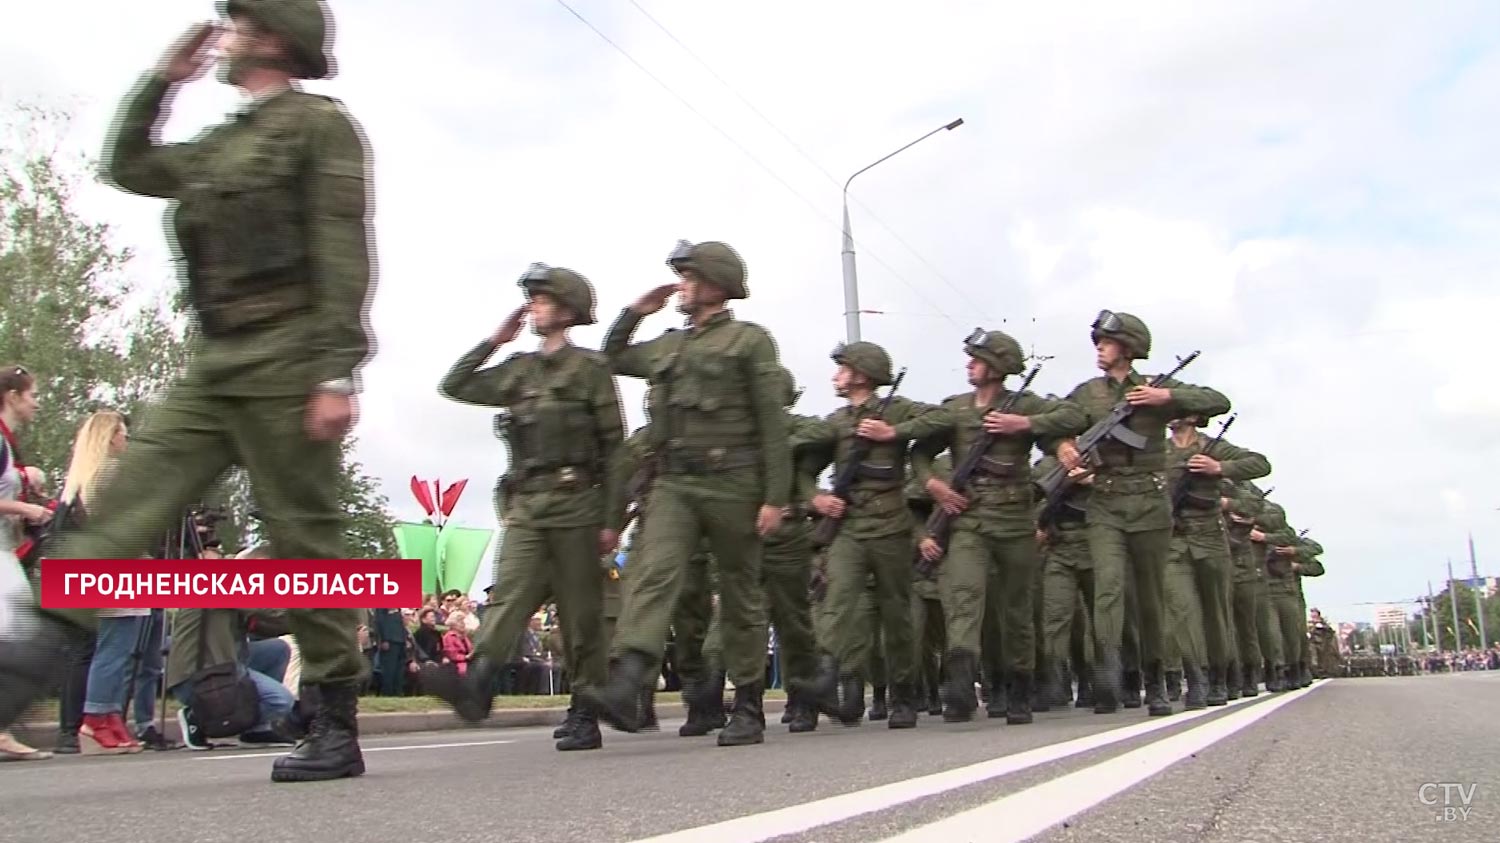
[231,583]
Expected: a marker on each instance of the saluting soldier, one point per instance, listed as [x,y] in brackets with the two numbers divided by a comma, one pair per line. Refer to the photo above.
[994,526]
[1199,582]
[272,228]
[1130,513]
[563,504]
[719,433]
[875,536]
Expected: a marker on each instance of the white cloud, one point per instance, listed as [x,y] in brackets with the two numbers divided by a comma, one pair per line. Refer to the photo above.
[1288,188]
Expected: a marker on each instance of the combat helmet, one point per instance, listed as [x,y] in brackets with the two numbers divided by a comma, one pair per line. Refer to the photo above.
[997,350]
[1129,331]
[571,289]
[304,24]
[867,358]
[714,262]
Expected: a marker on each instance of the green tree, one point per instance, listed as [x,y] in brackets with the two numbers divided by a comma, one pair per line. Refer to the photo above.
[1442,610]
[92,335]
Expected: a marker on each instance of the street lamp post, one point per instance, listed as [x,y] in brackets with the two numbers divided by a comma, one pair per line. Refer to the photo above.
[851,280]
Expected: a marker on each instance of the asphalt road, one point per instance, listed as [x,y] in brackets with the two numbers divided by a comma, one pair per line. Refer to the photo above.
[1342,760]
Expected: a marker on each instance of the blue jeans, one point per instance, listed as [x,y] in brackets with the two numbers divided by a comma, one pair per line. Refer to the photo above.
[114,654]
[275,700]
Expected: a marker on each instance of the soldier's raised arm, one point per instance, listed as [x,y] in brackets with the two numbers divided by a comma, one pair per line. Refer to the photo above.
[337,191]
[1238,464]
[918,420]
[1053,420]
[468,383]
[815,445]
[635,359]
[1191,399]
[133,159]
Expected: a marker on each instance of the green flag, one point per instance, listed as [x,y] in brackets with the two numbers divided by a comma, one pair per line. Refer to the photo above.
[420,541]
[460,550]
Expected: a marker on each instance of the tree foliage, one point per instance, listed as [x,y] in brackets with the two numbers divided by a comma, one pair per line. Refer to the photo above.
[1442,612]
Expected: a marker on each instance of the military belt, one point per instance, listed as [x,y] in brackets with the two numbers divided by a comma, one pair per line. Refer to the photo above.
[870,471]
[1126,462]
[708,460]
[547,479]
[1129,484]
[990,469]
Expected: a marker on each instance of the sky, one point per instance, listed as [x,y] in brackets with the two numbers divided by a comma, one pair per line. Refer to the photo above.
[1302,193]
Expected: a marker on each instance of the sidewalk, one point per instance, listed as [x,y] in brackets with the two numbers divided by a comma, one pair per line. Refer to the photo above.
[43,735]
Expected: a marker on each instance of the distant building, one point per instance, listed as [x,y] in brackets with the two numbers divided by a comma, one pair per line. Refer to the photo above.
[1390,616]
[1488,585]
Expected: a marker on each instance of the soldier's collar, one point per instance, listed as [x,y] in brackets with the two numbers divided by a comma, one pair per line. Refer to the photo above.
[722,316]
[251,103]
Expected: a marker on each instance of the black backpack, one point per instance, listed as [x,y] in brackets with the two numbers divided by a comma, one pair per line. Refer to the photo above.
[224,700]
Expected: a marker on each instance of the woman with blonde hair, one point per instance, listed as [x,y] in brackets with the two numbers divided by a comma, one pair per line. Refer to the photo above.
[100,441]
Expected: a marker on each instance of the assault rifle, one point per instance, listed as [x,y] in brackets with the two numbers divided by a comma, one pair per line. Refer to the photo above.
[635,491]
[1275,566]
[843,479]
[1180,491]
[940,523]
[1056,483]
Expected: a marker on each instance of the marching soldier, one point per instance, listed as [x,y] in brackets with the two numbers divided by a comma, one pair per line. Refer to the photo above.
[994,527]
[1067,583]
[1243,503]
[1199,580]
[719,434]
[875,536]
[563,506]
[1129,515]
[273,229]
[1284,623]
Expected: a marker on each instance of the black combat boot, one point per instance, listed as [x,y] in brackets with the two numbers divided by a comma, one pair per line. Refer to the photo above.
[585,734]
[704,709]
[1290,679]
[1130,689]
[1304,676]
[1231,681]
[1197,687]
[958,692]
[32,663]
[995,703]
[1018,698]
[618,702]
[804,714]
[934,701]
[1218,692]
[1156,692]
[648,711]
[1041,694]
[747,725]
[472,695]
[1106,684]
[566,727]
[877,704]
[1085,698]
[851,711]
[1174,685]
[331,748]
[823,693]
[1275,680]
[1249,681]
[903,707]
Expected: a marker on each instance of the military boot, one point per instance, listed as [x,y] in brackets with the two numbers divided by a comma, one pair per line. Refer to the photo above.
[1085,698]
[1156,692]
[995,703]
[703,710]
[618,702]
[934,701]
[32,661]
[1059,687]
[1304,675]
[1275,682]
[585,734]
[851,709]
[1218,693]
[648,712]
[747,725]
[1197,688]
[1106,683]
[566,727]
[331,748]
[1231,681]
[804,714]
[1174,685]
[1018,698]
[903,707]
[1041,696]
[1249,681]
[471,695]
[1130,689]
[1290,679]
[823,693]
[958,692]
[877,704]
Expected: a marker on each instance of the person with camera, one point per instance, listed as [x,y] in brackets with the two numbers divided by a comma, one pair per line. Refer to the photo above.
[213,672]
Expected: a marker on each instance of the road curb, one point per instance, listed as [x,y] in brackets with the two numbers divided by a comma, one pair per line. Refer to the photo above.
[43,735]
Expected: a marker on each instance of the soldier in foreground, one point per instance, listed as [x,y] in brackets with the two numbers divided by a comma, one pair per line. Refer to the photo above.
[563,503]
[1130,515]
[719,433]
[1067,584]
[272,226]
[994,526]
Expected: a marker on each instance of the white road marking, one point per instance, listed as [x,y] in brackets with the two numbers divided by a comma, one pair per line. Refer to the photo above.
[796,819]
[1034,810]
[365,750]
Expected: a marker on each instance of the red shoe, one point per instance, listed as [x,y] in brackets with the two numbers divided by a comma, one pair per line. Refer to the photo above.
[117,723]
[97,737]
